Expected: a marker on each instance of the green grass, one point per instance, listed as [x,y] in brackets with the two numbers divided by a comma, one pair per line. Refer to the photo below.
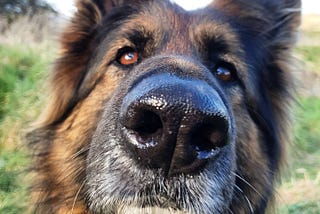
[311,56]
[303,207]
[307,135]
[21,72]
[300,191]
[13,187]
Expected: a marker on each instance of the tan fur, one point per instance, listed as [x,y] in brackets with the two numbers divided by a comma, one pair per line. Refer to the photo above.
[72,62]
[63,163]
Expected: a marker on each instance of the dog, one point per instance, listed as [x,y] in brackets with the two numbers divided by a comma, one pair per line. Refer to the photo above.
[155,109]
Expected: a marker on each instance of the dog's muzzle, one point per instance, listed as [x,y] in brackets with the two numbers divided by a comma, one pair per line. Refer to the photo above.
[174,124]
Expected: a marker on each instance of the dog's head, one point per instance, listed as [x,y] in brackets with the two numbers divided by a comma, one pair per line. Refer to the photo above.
[196,115]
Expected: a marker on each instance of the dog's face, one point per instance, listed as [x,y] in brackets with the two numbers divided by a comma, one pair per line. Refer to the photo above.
[166,137]
[194,114]
[184,113]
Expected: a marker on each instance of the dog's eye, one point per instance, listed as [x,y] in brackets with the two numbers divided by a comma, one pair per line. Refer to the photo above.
[127,56]
[225,73]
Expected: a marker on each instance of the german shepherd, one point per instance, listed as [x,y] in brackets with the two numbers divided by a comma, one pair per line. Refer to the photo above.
[155,109]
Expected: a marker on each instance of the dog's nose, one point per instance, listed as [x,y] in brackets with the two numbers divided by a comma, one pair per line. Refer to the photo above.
[174,124]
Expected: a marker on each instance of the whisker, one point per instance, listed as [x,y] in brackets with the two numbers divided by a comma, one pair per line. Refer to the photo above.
[247,183]
[79,153]
[230,211]
[249,203]
[76,196]
[246,198]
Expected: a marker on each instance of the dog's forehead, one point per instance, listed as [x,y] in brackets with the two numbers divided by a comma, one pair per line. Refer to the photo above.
[185,30]
[163,28]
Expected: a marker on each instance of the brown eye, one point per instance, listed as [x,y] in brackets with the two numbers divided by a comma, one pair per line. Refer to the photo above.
[127,56]
[225,74]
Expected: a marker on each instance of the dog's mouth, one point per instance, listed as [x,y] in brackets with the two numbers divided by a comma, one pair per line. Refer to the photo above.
[207,192]
[180,194]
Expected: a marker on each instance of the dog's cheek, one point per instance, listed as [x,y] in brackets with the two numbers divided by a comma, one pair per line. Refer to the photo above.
[252,162]
[81,123]
[65,162]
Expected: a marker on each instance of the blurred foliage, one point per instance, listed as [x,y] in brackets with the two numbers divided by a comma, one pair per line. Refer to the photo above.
[304,207]
[307,126]
[310,56]
[21,72]
[13,188]
[300,190]
[11,9]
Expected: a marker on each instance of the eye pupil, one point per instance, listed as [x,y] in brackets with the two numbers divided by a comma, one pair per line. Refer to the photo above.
[224,74]
[127,56]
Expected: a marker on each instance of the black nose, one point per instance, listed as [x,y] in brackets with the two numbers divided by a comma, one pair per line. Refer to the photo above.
[174,124]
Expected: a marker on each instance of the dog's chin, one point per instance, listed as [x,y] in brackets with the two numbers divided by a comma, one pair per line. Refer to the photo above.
[147,210]
[208,192]
[202,205]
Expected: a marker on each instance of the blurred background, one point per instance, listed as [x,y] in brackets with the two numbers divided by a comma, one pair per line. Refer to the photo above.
[29,32]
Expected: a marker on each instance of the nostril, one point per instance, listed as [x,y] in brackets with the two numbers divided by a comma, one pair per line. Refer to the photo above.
[148,123]
[208,138]
[144,127]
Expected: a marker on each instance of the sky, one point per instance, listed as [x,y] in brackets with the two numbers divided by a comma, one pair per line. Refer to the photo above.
[67,6]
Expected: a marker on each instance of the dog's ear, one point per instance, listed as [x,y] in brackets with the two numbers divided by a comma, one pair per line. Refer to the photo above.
[272,19]
[74,54]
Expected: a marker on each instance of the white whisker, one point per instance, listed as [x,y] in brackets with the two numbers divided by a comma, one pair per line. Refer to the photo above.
[246,198]
[247,183]
[76,196]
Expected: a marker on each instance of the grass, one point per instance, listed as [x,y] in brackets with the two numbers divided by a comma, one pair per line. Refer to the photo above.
[307,128]
[13,186]
[300,190]
[26,51]
[20,72]
[310,56]
[308,47]
[301,208]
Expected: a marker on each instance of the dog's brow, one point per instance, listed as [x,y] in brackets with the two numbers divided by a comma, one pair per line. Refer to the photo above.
[215,38]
